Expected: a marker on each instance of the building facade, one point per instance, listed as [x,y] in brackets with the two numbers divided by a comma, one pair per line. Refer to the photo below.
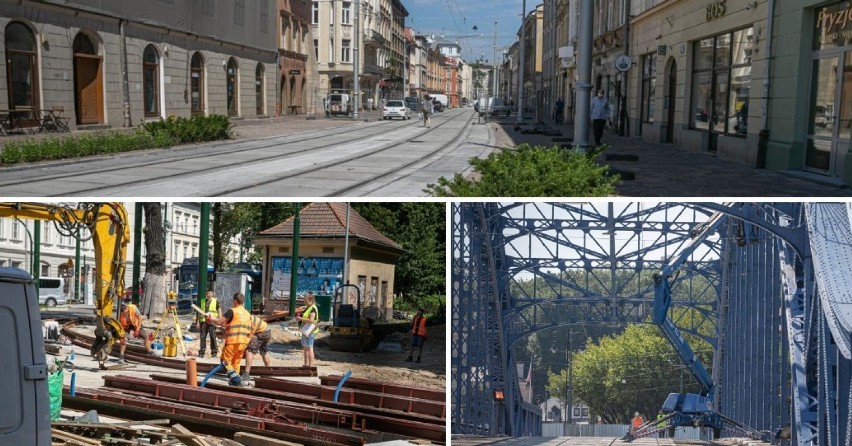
[178,59]
[297,68]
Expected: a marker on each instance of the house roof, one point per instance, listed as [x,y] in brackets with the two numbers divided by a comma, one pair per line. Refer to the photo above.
[328,220]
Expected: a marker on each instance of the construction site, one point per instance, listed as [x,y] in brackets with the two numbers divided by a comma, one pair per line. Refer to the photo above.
[127,367]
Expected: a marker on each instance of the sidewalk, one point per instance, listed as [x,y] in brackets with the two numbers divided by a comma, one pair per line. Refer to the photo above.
[663,170]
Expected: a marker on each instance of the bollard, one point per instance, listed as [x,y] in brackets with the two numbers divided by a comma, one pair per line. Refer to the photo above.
[192,372]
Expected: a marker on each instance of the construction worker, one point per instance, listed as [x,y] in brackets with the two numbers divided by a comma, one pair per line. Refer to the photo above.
[418,335]
[260,335]
[206,329]
[131,322]
[637,422]
[237,322]
[661,425]
[309,316]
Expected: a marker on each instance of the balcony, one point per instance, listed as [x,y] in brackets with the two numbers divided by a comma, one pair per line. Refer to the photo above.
[371,68]
[373,38]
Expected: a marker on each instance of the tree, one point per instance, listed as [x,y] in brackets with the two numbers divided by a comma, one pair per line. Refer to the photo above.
[154,283]
[246,220]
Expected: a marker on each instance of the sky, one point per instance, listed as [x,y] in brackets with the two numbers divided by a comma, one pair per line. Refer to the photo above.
[455,19]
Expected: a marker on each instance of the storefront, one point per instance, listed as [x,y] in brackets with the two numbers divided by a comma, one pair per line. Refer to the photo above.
[694,81]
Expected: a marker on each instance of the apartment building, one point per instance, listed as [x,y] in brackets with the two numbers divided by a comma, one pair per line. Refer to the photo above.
[122,62]
[297,68]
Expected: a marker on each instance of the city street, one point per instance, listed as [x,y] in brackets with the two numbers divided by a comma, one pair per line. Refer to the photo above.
[369,157]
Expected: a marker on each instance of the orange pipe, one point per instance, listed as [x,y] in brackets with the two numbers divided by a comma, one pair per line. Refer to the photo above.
[191,372]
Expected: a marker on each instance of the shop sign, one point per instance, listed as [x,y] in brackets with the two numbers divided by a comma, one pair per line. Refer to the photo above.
[834,24]
[294,72]
[661,50]
[716,10]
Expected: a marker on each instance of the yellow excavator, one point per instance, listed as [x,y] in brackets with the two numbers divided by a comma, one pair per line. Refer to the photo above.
[110,232]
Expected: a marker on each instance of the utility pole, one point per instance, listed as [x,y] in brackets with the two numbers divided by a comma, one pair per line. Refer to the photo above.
[522,62]
[294,261]
[493,70]
[356,79]
[570,389]
[203,254]
[584,84]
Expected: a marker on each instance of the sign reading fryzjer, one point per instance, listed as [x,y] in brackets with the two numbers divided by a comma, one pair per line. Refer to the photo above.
[317,274]
[833,22]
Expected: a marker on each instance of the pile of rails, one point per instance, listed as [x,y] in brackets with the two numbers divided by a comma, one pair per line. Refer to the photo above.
[359,412]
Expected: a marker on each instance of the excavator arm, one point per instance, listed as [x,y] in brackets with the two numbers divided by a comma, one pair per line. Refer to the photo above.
[109,230]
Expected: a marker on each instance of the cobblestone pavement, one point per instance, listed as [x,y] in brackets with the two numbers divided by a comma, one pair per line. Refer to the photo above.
[666,171]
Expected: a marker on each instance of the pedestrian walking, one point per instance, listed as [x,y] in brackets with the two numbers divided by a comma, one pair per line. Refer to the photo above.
[260,335]
[427,108]
[307,319]
[237,322]
[131,322]
[600,113]
[418,335]
[209,330]
[637,422]
[560,110]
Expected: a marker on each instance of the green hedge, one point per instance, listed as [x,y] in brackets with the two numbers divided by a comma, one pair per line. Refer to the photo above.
[149,136]
[194,129]
[532,172]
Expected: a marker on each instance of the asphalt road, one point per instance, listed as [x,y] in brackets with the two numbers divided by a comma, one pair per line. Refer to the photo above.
[374,158]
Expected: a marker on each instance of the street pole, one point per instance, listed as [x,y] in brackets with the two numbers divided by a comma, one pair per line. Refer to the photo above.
[137,250]
[584,84]
[203,256]
[570,388]
[522,62]
[493,70]
[356,79]
[77,266]
[294,260]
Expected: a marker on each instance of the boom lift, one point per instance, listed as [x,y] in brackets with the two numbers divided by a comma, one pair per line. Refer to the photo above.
[108,225]
[687,409]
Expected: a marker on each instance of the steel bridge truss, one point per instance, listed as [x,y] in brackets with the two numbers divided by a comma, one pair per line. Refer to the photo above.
[771,282]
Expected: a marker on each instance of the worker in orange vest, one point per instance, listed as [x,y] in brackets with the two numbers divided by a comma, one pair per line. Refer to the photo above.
[131,322]
[418,335]
[237,322]
[637,422]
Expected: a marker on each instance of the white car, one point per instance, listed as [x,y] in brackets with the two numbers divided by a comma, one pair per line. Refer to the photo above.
[395,109]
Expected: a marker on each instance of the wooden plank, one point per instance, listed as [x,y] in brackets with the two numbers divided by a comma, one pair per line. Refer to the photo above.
[249,439]
[188,437]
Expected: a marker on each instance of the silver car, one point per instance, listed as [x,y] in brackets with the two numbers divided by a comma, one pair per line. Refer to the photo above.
[395,109]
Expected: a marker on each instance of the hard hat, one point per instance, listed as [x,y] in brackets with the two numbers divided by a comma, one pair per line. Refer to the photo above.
[636,414]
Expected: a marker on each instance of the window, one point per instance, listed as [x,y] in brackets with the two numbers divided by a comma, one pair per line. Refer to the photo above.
[45,233]
[208,7]
[315,12]
[258,88]
[45,271]
[331,50]
[185,251]
[196,84]
[347,8]
[721,79]
[649,83]
[21,68]
[264,15]
[239,12]
[231,88]
[316,50]
[16,230]
[194,249]
[150,81]
[344,50]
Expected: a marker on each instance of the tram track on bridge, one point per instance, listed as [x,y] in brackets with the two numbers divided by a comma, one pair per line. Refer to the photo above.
[179,155]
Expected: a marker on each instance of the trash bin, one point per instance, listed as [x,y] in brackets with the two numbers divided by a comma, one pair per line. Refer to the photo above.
[324,307]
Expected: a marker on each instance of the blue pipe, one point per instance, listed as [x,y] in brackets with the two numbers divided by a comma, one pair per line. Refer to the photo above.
[209,374]
[73,386]
[340,384]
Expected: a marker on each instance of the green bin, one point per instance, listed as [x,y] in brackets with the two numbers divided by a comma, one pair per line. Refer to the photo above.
[324,307]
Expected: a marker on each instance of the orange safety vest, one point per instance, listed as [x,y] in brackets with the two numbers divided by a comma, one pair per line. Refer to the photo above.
[418,326]
[258,325]
[238,330]
[638,421]
[130,318]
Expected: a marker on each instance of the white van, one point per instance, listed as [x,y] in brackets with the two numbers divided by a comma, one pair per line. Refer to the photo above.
[52,291]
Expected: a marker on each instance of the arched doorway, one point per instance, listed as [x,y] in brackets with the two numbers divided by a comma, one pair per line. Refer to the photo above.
[231,90]
[671,78]
[196,86]
[151,81]
[258,90]
[88,81]
[21,67]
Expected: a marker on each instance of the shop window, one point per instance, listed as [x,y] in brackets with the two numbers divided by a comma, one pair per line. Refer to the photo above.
[197,84]
[151,80]
[649,87]
[258,88]
[21,67]
[721,79]
[232,95]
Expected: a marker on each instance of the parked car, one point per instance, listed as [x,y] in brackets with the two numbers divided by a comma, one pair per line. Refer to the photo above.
[497,107]
[338,104]
[395,109]
[52,291]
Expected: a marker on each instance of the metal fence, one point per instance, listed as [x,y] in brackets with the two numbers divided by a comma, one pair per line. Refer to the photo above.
[556,429]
